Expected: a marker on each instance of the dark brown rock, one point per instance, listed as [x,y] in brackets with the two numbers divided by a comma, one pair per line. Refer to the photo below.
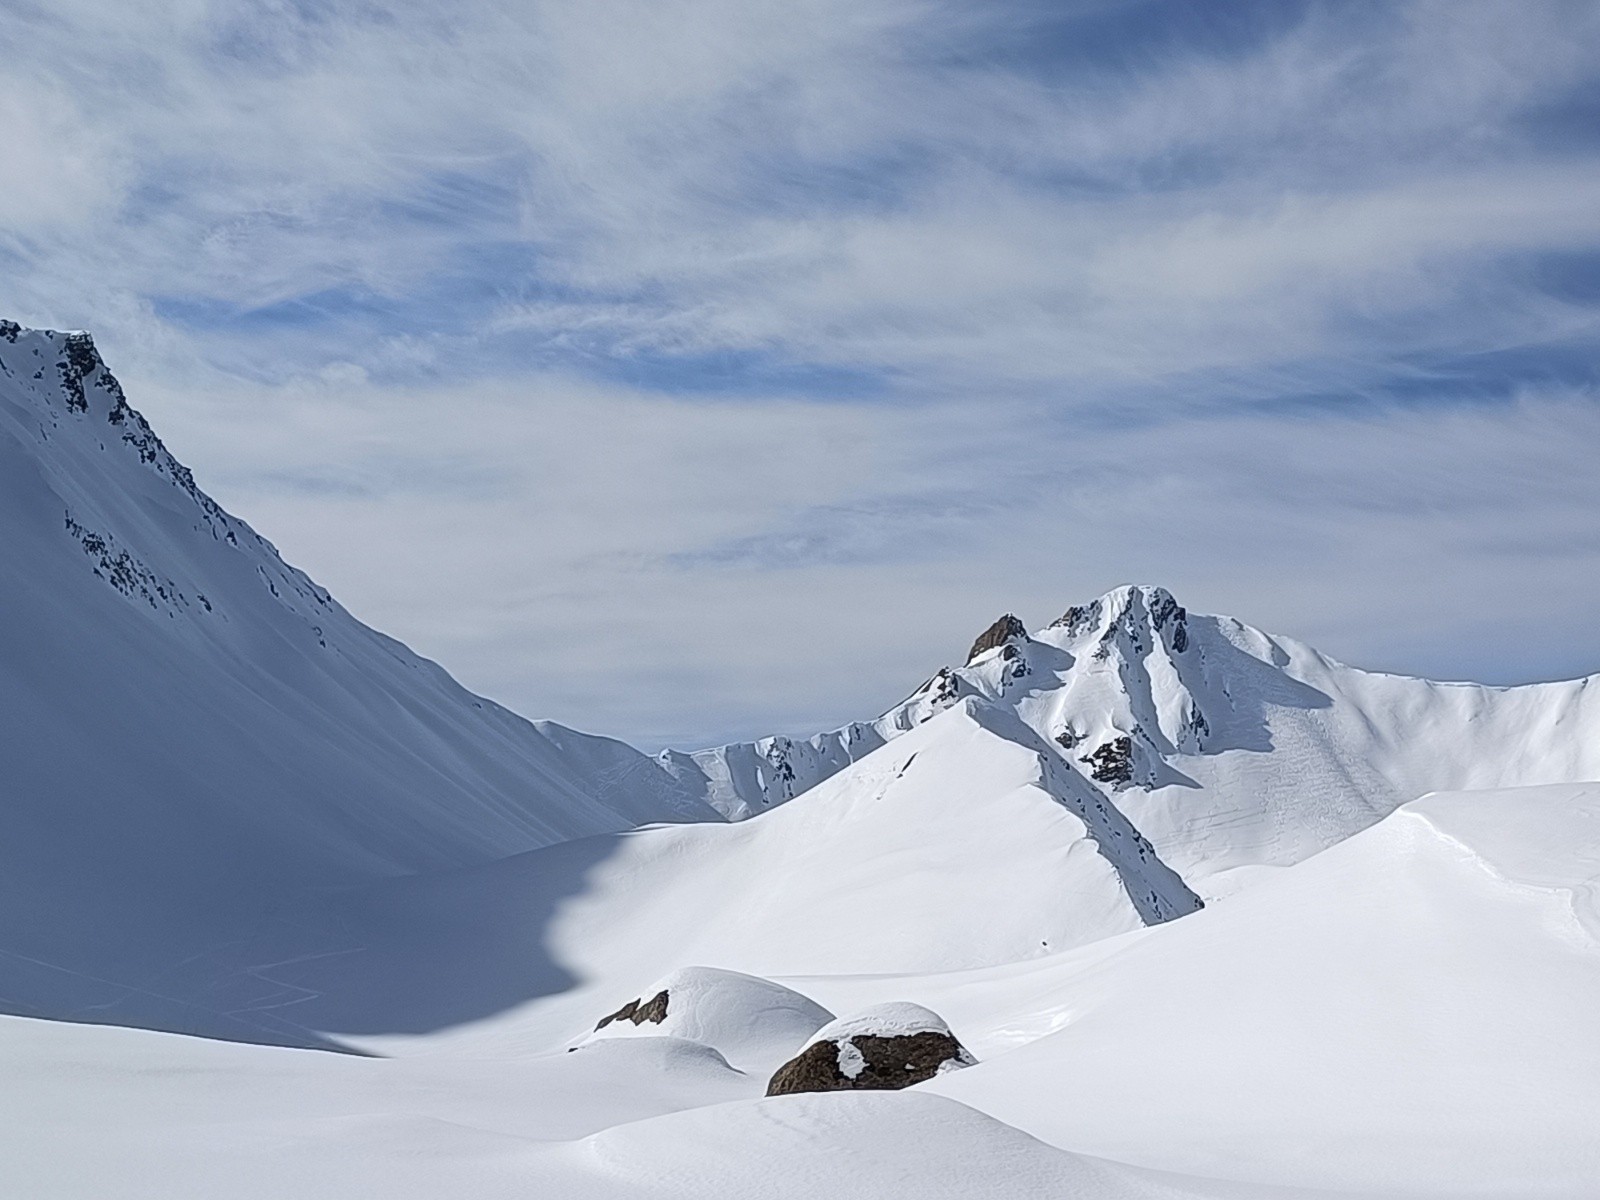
[887,1063]
[998,634]
[653,1010]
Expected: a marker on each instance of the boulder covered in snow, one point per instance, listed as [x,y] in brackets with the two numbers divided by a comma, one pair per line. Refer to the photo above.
[884,1047]
[753,1022]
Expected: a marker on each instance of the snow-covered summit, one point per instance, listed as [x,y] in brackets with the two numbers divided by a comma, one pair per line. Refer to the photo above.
[1225,746]
[1125,690]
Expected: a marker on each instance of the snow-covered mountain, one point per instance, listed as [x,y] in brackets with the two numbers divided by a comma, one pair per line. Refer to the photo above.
[1228,748]
[227,807]
[198,739]
[191,729]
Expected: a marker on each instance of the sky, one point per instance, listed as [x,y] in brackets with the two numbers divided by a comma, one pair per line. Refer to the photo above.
[689,370]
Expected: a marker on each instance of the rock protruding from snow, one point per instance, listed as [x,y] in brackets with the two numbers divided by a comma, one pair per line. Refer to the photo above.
[1112,762]
[653,1010]
[886,1047]
[752,1022]
[1002,631]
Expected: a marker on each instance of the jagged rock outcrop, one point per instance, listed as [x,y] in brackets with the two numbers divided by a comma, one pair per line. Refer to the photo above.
[887,1047]
[653,1010]
[1112,763]
[998,634]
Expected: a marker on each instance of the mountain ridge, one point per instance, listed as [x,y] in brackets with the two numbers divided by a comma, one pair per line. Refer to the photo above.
[1169,713]
[194,728]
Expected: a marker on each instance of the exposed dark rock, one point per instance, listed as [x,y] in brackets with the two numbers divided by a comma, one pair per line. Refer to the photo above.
[1164,608]
[123,571]
[998,634]
[944,687]
[653,1010]
[1018,662]
[1113,762]
[1077,618]
[1068,738]
[9,330]
[782,769]
[82,358]
[884,1063]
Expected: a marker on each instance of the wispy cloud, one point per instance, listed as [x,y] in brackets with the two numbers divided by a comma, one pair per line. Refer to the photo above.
[894,310]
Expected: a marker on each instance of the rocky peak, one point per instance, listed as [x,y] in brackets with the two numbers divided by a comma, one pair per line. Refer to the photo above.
[998,634]
[1135,616]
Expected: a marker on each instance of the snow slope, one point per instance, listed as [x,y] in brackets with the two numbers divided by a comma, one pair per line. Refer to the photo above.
[1412,1010]
[1407,1015]
[1228,748]
[192,730]
[954,847]
[120,1114]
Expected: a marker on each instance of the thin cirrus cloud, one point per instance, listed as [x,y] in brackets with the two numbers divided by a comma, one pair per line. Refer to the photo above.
[848,322]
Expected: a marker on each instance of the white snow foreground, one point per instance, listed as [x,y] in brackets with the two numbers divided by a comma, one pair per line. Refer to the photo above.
[119,1114]
[1407,1015]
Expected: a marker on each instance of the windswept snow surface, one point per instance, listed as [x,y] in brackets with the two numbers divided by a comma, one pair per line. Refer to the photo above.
[192,730]
[753,1023]
[1410,1011]
[119,1114]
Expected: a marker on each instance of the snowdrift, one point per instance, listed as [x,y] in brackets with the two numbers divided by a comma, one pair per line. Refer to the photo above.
[1411,1011]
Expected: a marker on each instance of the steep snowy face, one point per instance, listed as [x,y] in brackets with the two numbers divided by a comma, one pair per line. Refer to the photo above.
[191,729]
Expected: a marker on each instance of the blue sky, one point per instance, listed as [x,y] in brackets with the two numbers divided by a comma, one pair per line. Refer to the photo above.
[685,370]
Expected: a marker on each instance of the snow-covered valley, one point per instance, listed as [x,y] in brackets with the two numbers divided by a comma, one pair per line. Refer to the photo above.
[289,912]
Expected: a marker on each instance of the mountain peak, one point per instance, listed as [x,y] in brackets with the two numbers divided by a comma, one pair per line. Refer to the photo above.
[1002,631]
[1135,614]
